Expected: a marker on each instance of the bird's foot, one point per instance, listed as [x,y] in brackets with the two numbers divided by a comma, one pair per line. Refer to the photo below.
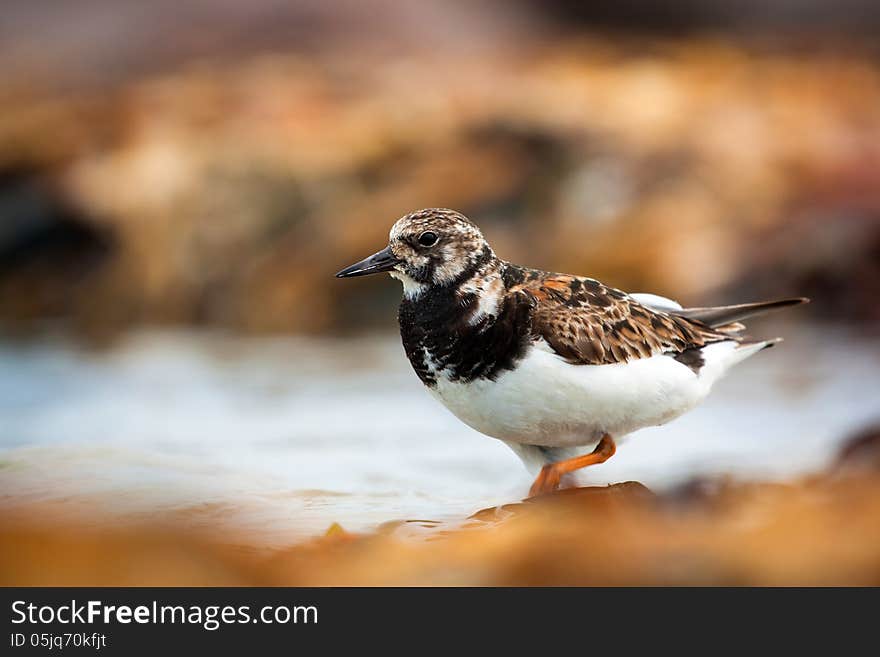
[551,474]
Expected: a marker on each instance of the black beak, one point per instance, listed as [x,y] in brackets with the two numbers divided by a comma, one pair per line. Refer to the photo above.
[376,263]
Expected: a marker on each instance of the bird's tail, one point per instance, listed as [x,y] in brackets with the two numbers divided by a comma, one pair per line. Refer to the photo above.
[718,317]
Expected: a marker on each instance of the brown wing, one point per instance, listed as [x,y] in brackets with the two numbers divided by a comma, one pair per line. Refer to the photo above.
[588,322]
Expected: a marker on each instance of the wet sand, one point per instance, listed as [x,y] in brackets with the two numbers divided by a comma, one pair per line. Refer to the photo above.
[819,531]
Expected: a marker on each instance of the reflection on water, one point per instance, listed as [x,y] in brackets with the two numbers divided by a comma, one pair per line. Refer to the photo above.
[286,436]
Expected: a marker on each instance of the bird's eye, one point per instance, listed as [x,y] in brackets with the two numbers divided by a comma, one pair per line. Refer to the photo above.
[428,238]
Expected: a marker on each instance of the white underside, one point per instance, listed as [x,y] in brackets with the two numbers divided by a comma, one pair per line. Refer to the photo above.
[549,402]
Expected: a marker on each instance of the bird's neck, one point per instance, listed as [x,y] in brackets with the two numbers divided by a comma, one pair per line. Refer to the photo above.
[463,331]
[473,297]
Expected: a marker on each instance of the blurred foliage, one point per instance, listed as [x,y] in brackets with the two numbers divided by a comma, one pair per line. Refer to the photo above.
[228,194]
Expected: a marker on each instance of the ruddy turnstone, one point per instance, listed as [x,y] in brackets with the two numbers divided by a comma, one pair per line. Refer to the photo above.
[549,363]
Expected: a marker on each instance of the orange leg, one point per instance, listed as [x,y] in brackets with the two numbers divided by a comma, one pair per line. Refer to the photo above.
[548,479]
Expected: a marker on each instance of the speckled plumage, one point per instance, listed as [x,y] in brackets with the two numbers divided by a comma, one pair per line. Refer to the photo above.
[547,361]
[590,323]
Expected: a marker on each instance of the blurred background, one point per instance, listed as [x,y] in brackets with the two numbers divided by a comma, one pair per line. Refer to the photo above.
[180,181]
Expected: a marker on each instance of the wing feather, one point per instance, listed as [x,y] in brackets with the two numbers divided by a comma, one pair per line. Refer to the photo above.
[587,322]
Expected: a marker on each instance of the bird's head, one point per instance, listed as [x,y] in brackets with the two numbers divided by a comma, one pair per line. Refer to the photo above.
[433,247]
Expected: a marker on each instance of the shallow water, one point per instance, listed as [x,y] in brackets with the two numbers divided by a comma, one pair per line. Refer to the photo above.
[283,437]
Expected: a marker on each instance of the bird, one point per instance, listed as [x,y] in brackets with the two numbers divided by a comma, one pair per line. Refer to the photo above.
[557,366]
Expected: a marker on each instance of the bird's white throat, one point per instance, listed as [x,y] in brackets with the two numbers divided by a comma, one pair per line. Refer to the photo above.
[411,287]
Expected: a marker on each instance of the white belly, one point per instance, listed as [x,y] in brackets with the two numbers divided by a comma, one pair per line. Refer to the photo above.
[550,402]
